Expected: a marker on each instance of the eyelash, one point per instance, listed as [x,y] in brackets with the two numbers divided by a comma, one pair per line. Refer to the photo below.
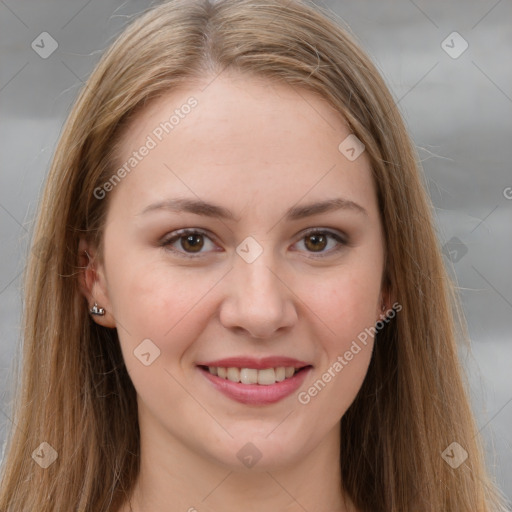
[190,231]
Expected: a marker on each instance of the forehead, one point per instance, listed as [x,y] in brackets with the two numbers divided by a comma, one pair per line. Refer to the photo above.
[237,139]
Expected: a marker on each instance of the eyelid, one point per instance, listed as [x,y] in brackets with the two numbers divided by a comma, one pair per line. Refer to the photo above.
[340,237]
[335,233]
[176,235]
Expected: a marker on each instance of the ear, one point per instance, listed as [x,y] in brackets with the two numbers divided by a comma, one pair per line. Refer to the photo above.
[385,303]
[93,284]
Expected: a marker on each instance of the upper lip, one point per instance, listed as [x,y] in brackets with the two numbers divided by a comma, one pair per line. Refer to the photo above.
[256,363]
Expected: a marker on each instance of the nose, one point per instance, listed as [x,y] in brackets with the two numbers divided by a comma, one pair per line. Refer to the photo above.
[258,301]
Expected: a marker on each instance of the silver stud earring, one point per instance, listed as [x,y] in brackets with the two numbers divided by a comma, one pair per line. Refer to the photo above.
[95,310]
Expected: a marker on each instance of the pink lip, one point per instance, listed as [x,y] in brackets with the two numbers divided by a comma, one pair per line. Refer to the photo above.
[256,394]
[258,364]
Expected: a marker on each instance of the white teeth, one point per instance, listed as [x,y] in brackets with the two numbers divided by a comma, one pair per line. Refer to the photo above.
[264,377]
[267,377]
[280,373]
[248,376]
[234,374]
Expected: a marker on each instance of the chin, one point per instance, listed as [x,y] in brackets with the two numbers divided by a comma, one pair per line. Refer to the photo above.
[258,452]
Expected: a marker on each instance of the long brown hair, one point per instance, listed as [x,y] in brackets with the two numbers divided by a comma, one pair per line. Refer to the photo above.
[74,392]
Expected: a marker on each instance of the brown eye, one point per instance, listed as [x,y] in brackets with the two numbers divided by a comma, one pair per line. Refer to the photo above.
[193,243]
[188,243]
[316,242]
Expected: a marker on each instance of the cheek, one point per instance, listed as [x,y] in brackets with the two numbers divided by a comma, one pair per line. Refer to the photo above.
[166,308]
[346,308]
[153,300]
[346,302]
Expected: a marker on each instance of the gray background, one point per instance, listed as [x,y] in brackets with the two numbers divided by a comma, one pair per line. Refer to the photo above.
[458,110]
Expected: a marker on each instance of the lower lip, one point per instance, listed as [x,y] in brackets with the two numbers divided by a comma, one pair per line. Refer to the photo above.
[257,394]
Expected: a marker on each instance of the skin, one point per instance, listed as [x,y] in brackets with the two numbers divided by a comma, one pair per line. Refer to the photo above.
[257,149]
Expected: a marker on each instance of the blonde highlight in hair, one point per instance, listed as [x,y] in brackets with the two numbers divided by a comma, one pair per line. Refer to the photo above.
[74,391]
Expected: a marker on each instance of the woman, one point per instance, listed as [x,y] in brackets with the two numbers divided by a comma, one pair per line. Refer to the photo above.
[238,297]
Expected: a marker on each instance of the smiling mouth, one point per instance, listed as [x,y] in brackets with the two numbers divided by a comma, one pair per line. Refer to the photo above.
[263,376]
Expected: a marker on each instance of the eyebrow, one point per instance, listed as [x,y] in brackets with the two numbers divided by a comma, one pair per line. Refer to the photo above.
[199,207]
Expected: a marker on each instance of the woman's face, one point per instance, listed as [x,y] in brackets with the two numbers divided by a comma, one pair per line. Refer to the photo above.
[267,283]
